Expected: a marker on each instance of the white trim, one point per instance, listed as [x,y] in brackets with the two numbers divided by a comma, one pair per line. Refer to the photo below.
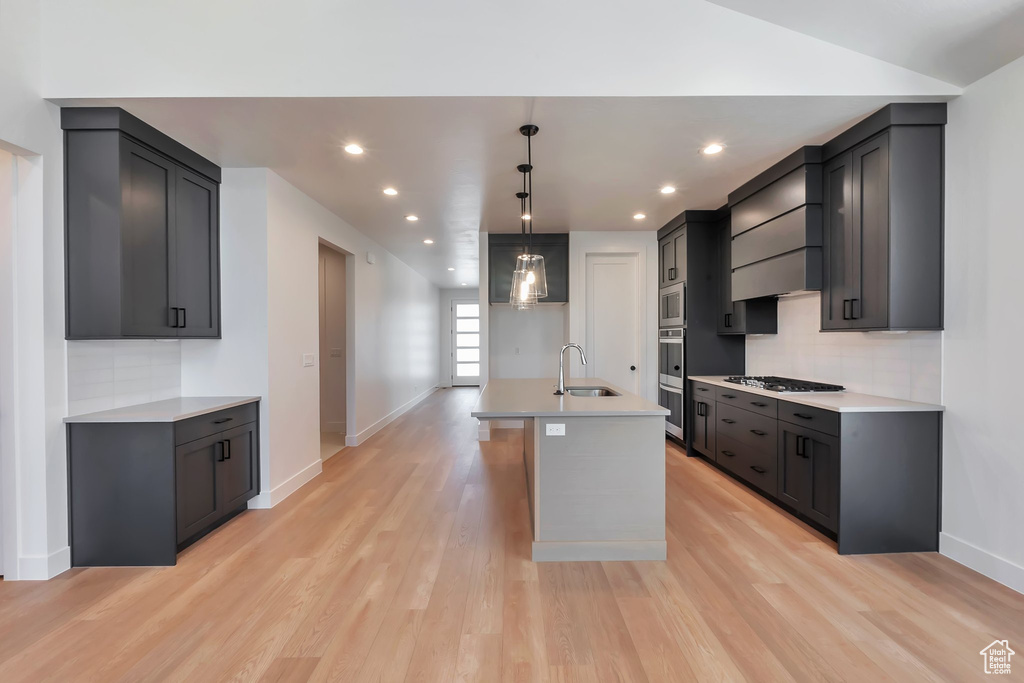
[268,499]
[982,561]
[361,437]
[484,430]
[598,551]
[44,567]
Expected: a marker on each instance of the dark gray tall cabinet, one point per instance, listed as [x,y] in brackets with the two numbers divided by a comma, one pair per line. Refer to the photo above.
[141,231]
[883,222]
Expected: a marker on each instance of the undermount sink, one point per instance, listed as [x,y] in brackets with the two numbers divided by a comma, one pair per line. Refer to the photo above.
[592,392]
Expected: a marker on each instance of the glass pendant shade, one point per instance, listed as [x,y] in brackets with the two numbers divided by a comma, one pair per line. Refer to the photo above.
[522,296]
[529,281]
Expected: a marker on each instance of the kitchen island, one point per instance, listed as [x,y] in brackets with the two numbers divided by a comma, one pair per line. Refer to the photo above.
[595,467]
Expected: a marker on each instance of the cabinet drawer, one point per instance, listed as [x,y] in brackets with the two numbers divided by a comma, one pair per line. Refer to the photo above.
[821,420]
[213,423]
[755,430]
[748,463]
[703,392]
[747,401]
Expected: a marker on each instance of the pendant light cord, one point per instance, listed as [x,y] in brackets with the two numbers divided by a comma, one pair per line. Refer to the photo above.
[529,162]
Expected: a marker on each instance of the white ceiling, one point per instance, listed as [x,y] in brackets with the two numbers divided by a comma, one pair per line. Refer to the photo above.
[957,41]
[597,160]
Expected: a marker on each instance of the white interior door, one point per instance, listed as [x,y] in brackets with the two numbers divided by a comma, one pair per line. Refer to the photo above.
[613,325]
[465,343]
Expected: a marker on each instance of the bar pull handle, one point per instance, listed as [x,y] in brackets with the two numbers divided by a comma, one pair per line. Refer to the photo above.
[227,448]
[803,416]
[223,420]
[759,404]
[728,395]
[728,421]
[671,273]
[728,453]
[854,309]
[847,309]
[220,454]
[758,432]
[758,469]
[174,316]
[801,446]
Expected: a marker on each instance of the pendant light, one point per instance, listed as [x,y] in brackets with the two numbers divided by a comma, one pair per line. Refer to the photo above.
[529,279]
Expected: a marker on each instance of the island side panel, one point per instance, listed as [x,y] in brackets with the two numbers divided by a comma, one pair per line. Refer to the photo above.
[601,486]
[530,464]
[889,482]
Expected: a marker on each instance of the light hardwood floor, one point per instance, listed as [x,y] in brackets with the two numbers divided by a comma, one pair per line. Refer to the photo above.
[407,559]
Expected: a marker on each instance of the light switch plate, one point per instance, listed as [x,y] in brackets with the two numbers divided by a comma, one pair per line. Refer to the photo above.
[308,360]
[554,430]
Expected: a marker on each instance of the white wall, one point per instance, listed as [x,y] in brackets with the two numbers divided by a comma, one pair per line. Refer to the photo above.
[35,488]
[525,344]
[270,238]
[446,296]
[906,366]
[111,374]
[645,245]
[445,47]
[983,460]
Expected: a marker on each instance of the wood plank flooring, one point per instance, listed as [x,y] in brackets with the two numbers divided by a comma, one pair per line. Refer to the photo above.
[408,560]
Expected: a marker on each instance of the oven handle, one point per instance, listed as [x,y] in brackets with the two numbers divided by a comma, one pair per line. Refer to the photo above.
[671,389]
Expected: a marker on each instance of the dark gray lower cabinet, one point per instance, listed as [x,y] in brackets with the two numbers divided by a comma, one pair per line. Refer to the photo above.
[809,473]
[868,479]
[140,492]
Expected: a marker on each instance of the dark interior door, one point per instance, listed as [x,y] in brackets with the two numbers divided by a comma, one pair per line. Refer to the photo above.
[197,244]
[238,471]
[147,249]
[869,256]
[838,205]
[197,489]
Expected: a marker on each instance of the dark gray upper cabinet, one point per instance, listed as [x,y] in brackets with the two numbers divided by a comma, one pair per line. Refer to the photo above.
[141,231]
[776,229]
[883,223]
[503,248]
[753,316]
[672,250]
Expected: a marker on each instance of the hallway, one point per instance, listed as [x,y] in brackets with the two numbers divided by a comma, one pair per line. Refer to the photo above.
[407,560]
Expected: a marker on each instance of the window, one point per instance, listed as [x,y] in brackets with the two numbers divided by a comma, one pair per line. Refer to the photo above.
[466,343]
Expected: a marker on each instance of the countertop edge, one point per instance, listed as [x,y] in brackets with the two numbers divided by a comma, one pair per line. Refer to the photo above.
[110,417]
[556,413]
[899,405]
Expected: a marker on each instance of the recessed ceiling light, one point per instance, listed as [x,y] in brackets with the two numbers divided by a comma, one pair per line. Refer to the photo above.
[526,216]
[411,217]
[428,241]
[353,148]
[451,270]
[668,189]
[713,148]
[390,191]
[639,216]
[463,284]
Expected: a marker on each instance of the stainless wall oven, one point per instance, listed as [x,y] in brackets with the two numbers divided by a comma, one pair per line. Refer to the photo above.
[672,398]
[672,357]
[672,310]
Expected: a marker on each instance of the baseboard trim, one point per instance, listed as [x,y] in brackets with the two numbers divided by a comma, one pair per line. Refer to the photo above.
[43,567]
[268,499]
[483,432]
[982,561]
[598,551]
[361,437]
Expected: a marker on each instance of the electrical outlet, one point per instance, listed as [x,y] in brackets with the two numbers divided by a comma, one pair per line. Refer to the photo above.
[554,430]
[308,360]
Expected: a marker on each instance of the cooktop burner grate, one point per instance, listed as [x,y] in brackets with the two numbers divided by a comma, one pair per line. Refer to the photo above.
[783,384]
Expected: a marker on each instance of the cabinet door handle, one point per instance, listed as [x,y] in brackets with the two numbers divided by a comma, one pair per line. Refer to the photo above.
[803,416]
[183,318]
[759,404]
[758,432]
[728,421]
[758,469]
[847,309]
[728,453]
[220,455]
[801,446]
[223,420]
[675,367]
[671,273]
[701,389]
[633,368]
[854,309]
[174,316]
[700,409]
[728,396]
[227,450]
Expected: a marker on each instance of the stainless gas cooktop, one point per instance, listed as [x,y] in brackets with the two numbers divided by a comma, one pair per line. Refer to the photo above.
[783,385]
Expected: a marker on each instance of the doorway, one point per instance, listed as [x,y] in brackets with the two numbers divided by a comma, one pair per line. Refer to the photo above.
[613,323]
[465,343]
[333,290]
[8,188]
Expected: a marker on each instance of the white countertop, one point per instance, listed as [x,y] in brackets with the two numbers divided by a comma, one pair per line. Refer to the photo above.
[518,398]
[838,401]
[170,410]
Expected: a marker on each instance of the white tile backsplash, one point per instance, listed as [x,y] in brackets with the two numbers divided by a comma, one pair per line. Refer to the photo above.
[898,365]
[111,374]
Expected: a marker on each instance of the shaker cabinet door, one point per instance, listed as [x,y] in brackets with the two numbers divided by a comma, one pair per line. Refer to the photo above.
[837,210]
[197,485]
[239,478]
[196,246]
[148,266]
